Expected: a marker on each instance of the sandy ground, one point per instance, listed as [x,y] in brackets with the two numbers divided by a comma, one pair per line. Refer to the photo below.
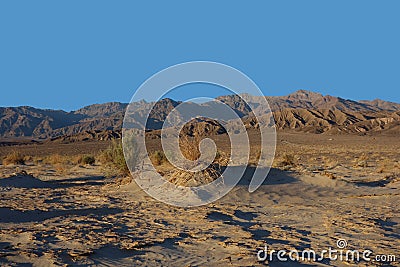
[81,218]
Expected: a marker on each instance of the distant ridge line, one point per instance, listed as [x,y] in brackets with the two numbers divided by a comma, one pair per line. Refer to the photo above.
[302,110]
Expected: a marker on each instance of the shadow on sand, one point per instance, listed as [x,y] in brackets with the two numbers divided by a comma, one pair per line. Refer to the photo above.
[28,181]
[275,177]
[8,215]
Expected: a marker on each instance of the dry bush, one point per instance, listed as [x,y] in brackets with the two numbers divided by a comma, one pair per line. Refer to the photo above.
[286,160]
[88,159]
[84,159]
[190,149]
[255,155]
[158,158]
[61,168]
[330,163]
[14,158]
[329,175]
[55,159]
[37,160]
[362,161]
[28,158]
[113,160]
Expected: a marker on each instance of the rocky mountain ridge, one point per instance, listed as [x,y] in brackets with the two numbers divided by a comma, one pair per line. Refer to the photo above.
[300,111]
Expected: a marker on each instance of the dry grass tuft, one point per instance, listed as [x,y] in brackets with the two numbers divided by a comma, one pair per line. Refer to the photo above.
[362,161]
[190,149]
[14,158]
[85,159]
[55,159]
[158,158]
[286,160]
[61,168]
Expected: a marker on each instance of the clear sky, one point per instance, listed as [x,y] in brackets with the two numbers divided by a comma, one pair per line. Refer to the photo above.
[67,54]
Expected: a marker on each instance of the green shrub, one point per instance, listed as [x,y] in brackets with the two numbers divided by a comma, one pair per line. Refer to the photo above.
[113,159]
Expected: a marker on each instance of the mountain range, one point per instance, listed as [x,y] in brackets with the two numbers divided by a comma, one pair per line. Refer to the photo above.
[300,111]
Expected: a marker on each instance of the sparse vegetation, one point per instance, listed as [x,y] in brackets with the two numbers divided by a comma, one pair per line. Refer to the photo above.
[158,158]
[61,168]
[362,161]
[86,159]
[190,147]
[286,160]
[329,174]
[14,158]
[113,160]
[55,159]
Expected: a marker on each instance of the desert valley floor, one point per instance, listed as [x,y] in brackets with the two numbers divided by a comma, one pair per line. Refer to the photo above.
[335,187]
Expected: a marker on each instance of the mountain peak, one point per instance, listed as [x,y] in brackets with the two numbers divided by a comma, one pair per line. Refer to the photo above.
[305,95]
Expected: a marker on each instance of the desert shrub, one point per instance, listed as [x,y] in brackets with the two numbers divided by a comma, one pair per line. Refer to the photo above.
[113,159]
[287,160]
[88,159]
[329,175]
[61,168]
[218,156]
[55,159]
[14,158]
[189,147]
[37,160]
[158,158]
[85,159]
[254,156]
[28,158]
[362,161]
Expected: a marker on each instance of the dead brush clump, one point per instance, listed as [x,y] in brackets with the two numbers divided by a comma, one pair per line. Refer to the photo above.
[190,149]
[329,175]
[37,160]
[158,158]
[14,157]
[361,161]
[61,168]
[28,158]
[393,177]
[84,160]
[254,156]
[55,159]
[113,160]
[330,163]
[59,162]
[286,161]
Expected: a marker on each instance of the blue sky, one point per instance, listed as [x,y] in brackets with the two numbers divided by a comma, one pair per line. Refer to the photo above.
[67,54]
